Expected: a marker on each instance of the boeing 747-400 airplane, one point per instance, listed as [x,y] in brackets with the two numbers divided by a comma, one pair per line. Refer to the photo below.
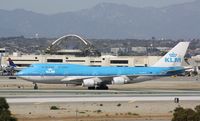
[99,77]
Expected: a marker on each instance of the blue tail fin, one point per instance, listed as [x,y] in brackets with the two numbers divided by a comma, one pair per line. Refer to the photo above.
[11,63]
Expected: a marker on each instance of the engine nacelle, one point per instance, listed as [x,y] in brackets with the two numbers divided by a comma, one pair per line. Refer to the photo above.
[120,80]
[91,82]
[88,83]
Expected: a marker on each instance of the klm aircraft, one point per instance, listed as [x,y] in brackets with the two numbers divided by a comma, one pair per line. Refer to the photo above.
[100,77]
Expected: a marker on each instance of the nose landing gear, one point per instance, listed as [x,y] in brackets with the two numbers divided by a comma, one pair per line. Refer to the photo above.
[35,86]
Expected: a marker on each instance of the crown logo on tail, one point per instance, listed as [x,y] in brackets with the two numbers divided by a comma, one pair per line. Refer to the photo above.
[172,55]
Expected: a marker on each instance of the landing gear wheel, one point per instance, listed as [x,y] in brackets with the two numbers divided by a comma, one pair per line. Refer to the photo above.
[106,87]
[35,86]
[91,88]
[102,87]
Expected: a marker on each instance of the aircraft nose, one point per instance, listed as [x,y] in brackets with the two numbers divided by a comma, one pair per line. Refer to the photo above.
[19,74]
[22,75]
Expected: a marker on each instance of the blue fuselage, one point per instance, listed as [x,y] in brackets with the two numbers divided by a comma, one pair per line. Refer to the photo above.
[81,70]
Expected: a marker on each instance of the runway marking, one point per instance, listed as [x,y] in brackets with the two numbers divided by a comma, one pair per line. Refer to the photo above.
[100,99]
[38,103]
[132,101]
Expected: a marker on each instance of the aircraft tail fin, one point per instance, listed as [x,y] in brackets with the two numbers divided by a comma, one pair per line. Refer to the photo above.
[174,57]
[11,63]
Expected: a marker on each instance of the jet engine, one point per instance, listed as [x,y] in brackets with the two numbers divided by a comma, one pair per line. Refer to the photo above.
[120,80]
[91,82]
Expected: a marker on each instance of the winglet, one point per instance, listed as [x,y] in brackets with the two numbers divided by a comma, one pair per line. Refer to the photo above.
[174,57]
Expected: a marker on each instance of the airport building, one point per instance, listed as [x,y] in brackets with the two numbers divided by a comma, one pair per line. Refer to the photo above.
[26,60]
[85,54]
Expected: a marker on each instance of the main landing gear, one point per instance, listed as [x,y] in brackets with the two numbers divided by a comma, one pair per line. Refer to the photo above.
[35,86]
[99,87]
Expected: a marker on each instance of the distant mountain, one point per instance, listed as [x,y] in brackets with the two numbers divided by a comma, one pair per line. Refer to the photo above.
[107,20]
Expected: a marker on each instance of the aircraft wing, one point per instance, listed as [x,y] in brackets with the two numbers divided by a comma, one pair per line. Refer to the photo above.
[79,79]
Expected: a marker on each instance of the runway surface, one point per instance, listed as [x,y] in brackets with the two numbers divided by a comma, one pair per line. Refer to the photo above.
[42,96]
[100,99]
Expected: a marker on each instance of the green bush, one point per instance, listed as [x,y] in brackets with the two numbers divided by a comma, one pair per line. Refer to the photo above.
[5,114]
[54,108]
[98,111]
[181,114]
[197,108]
[119,105]
[82,112]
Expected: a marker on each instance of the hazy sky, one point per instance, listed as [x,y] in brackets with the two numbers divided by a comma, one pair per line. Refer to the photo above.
[55,6]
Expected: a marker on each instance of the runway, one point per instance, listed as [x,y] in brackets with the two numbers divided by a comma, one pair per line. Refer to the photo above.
[46,96]
[100,99]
